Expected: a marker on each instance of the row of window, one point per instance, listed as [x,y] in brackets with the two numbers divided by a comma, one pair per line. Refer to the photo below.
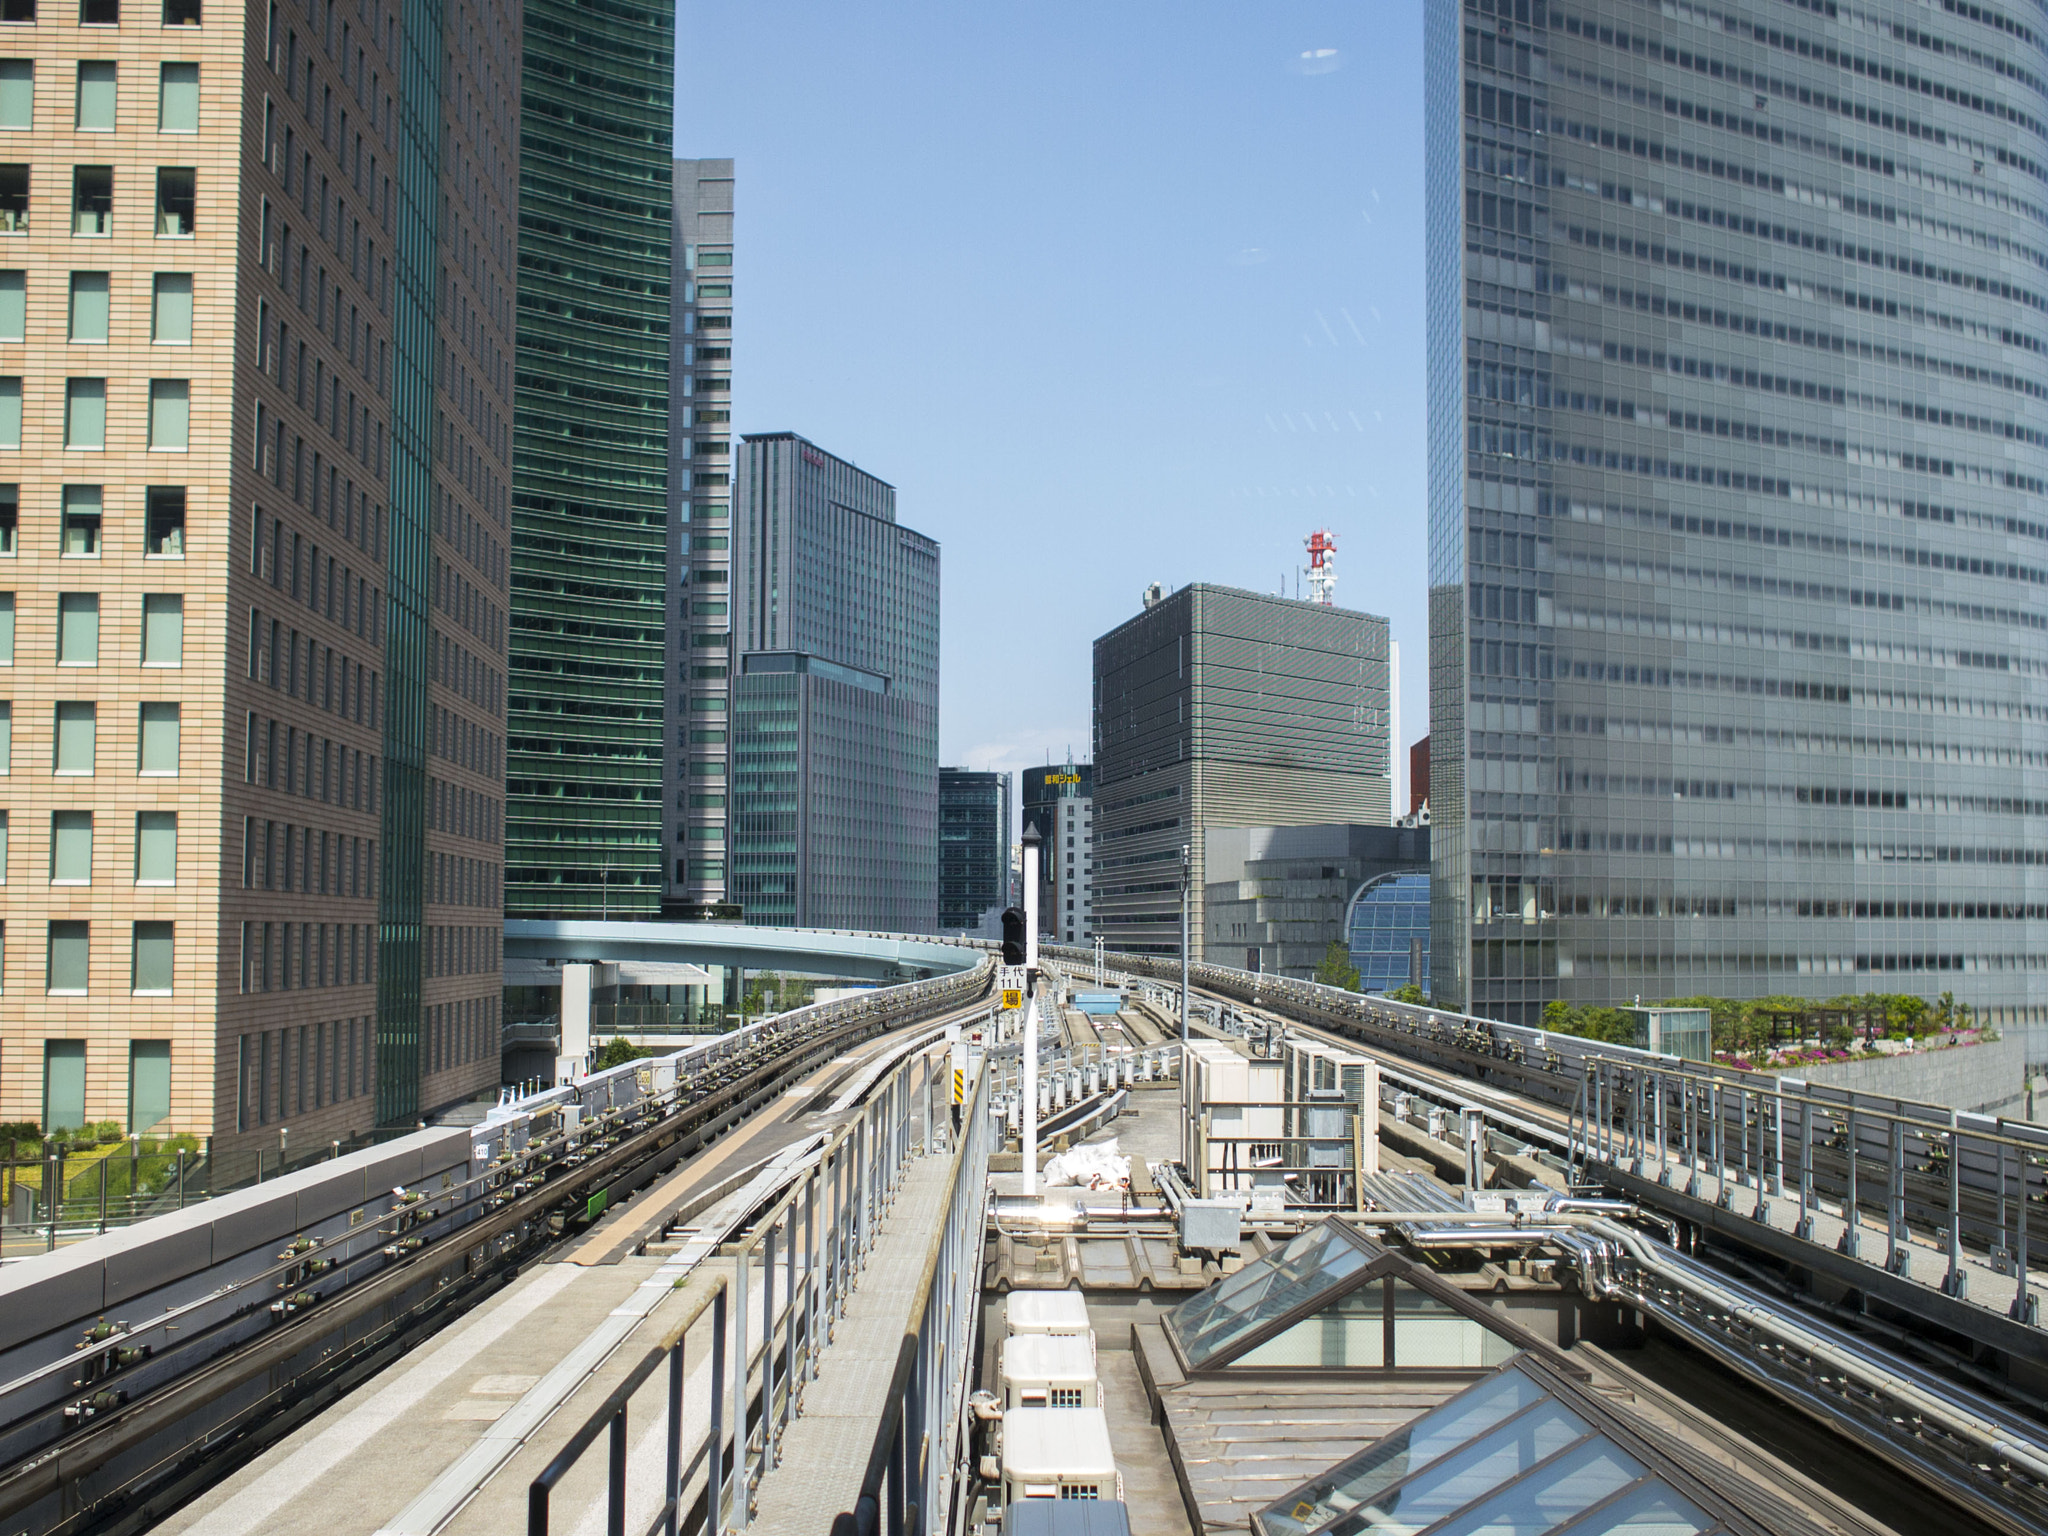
[92,200]
[78,629]
[90,306]
[169,421]
[71,847]
[104,13]
[67,971]
[81,521]
[149,1084]
[75,740]
[97,96]
[284,1072]
[290,957]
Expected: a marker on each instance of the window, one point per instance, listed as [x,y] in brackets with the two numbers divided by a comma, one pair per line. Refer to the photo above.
[92,200]
[149,1085]
[3,847]
[7,628]
[159,754]
[163,629]
[10,412]
[78,629]
[13,306]
[165,522]
[71,848]
[88,306]
[70,951]
[156,848]
[6,749]
[18,11]
[13,199]
[177,99]
[17,93]
[152,964]
[99,13]
[181,13]
[85,413]
[170,414]
[170,309]
[96,93]
[63,1074]
[77,726]
[176,192]
[81,531]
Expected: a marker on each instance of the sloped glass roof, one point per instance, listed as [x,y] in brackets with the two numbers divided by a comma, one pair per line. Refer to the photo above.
[1507,1457]
[1323,1259]
[1333,1299]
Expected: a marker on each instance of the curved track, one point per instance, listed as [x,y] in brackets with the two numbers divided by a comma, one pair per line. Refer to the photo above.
[190,1414]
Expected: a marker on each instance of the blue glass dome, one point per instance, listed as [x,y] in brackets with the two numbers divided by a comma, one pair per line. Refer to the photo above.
[1386,916]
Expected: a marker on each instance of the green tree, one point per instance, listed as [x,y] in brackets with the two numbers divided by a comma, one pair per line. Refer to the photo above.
[1407,992]
[616,1053]
[1336,969]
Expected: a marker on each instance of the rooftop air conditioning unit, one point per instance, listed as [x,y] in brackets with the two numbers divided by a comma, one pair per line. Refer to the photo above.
[1057,1453]
[1049,1370]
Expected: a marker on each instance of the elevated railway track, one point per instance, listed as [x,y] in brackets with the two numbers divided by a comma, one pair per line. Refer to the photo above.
[138,1369]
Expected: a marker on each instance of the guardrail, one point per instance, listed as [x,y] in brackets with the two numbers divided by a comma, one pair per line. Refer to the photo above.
[1979,1195]
[1952,1172]
[806,1251]
[909,1483]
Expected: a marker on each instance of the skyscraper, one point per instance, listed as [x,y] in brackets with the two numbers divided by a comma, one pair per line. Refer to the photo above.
[1737,550]
[1217,707]
[699,515]
[590,540]
[835,705]
[974,847]
[255,439]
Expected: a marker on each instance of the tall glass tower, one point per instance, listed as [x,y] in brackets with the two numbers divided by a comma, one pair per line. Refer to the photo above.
[1738,547]
[585,716]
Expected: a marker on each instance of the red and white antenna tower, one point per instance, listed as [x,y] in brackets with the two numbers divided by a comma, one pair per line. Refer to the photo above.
[1322,566]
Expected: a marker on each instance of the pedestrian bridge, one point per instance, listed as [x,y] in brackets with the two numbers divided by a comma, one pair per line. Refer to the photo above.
[818,951]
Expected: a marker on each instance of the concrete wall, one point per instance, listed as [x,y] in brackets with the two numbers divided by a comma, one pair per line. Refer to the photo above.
[1988,1079]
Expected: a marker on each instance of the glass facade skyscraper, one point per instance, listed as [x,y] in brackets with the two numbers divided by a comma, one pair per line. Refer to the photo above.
[588,694]
[699,533]
[974,847]
[834,812]
[1736,476]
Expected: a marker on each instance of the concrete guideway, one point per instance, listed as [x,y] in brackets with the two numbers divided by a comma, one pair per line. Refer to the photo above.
[817,951]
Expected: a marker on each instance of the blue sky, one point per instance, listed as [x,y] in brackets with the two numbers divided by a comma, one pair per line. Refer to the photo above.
[1112,293]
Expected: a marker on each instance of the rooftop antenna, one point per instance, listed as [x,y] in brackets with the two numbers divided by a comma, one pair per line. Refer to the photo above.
[1322,566]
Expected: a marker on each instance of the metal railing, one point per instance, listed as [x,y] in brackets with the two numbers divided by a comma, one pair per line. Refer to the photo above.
[805,1251]
[611,1417]
[910,1483]
[1963,1178]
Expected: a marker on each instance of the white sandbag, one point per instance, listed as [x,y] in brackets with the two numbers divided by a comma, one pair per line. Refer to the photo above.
[1095,1166]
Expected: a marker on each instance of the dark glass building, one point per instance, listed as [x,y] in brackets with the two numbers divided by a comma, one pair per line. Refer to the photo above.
[1736,473]
[834,781]
[974,847]
[1219,707]
[699,538]
[583,835]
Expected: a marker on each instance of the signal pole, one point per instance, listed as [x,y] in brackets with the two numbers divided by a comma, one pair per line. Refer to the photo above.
[1030,1073]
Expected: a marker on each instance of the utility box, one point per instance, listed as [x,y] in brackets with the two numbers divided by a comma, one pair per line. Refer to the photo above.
[1683,1032]
[1238,1100]
[1049,1370]
[1059,1454]
[1056,1312]
[1214,1225]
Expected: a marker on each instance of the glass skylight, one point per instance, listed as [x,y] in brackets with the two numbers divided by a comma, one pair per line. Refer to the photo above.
[1503,1458]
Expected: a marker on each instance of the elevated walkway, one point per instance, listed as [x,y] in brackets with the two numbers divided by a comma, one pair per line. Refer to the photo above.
[821,1456]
